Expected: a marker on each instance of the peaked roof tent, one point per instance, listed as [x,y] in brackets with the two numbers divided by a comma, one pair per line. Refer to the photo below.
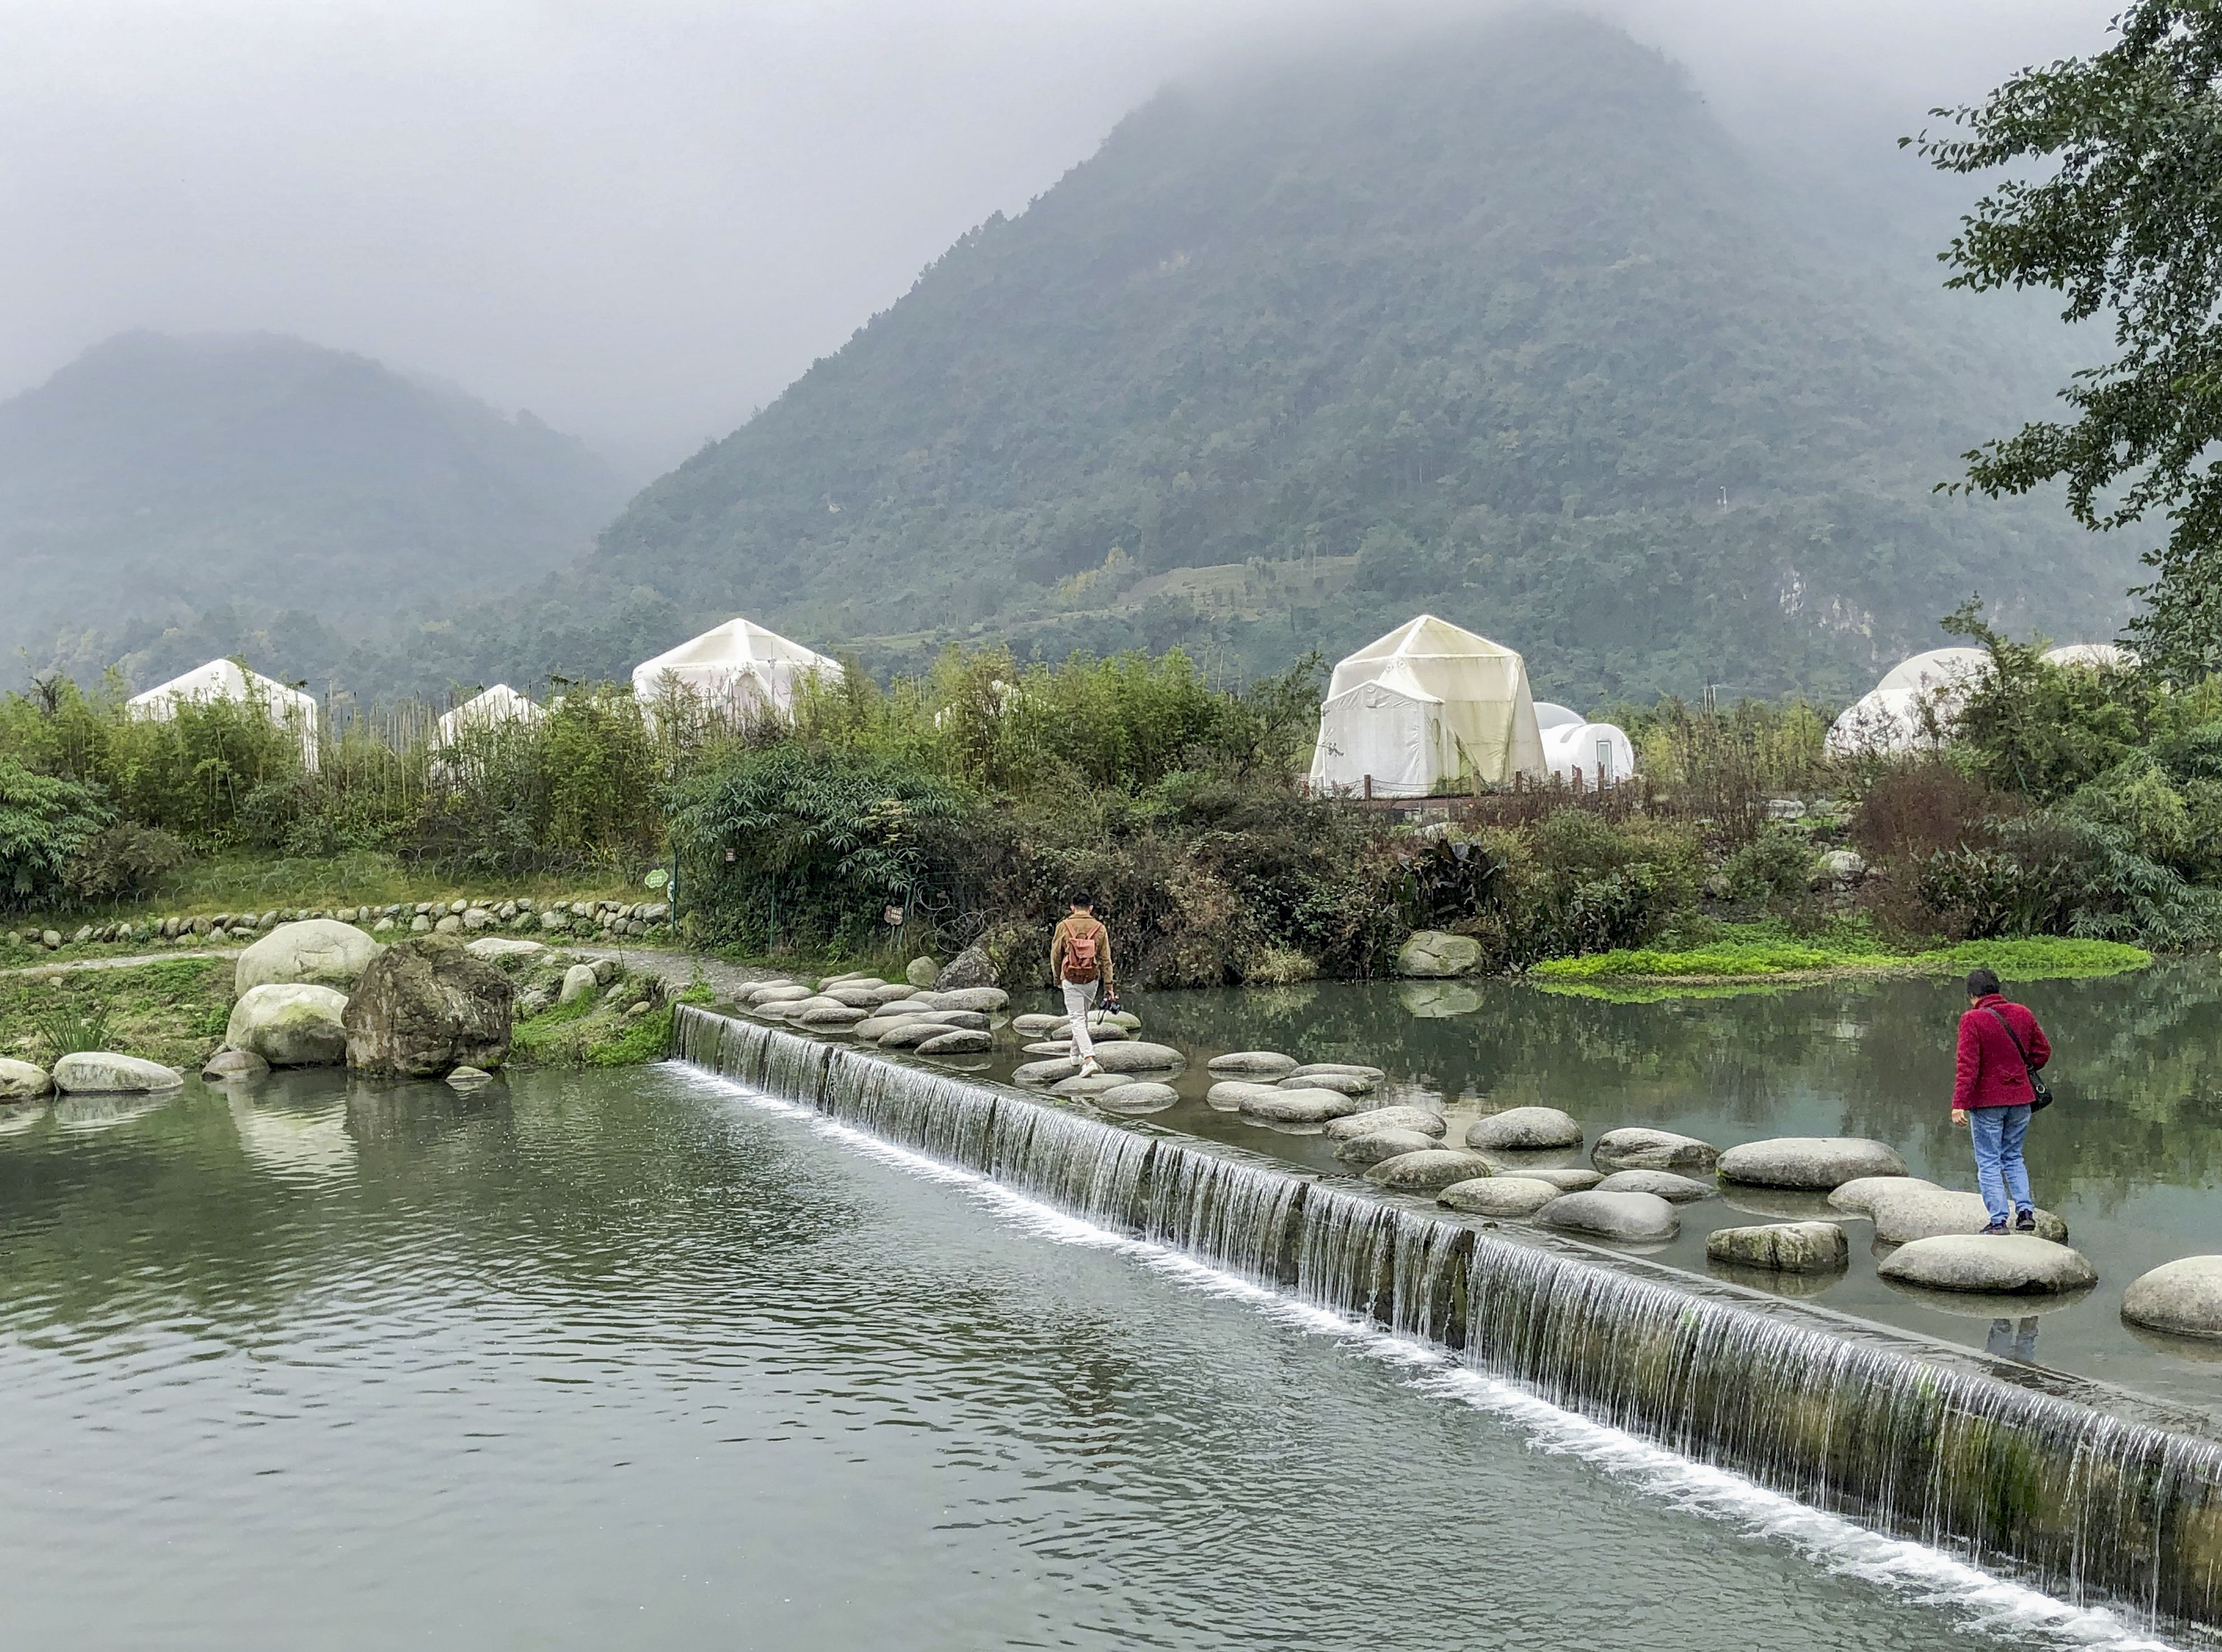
[227,679]
[499,704]
[738,667]
[1428,709]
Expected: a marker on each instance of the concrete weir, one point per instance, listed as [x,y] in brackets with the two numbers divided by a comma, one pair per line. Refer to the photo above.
[2093,1495]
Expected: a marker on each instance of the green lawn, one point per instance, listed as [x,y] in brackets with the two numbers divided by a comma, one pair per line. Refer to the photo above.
[2041,958]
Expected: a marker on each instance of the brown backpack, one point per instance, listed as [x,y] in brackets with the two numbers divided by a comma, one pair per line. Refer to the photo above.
[1079,964]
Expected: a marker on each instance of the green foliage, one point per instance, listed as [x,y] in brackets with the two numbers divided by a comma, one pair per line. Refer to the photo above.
[2057,873]
[2117,157]
[123,861]
[1576,881]
[69,1029]
[1771,870]
[2040,728]
[1721,764]
[2047,959]
[45,824]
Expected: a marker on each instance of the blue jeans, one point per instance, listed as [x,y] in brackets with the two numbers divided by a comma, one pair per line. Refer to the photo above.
[2001,1175]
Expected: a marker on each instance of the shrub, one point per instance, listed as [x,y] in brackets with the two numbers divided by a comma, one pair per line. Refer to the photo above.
[45,824]
[2040,728]
[121,861]
[1771,870]
[2053,873]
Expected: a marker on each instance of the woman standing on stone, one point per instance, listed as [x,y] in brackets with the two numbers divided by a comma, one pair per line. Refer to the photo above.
[2000,1045]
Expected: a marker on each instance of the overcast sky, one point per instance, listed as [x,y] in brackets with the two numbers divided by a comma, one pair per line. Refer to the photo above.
[642,218]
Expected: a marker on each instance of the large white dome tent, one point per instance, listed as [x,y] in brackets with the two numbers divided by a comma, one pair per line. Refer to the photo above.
[499,704]
[227,679]
[1426,710]
[1915,705]
[739,668]
[1596,754]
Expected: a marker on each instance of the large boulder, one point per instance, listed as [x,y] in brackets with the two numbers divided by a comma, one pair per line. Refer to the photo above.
[1921,1210]
[579,982]
[1427,1123]
[21,1081]
[1522,1128]
[317,951]
[1513,1196]
[2183,1297]
[1431,953]
[426,1007]
[1632,1218]
[1814,1162]
[1782,1247]
[970,967]
[1427,1170]
[2013,1264]
[1635,1147]
[1675,1190]
[1253,1064]
[94,1072]
[1372,1149]
[921,972]
[290,1024]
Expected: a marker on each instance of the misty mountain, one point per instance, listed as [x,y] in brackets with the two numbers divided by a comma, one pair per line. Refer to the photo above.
[198,487]
[1500,324]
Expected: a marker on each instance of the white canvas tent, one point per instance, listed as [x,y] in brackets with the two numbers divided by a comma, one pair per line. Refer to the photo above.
[1600,753]
[739,668]
[499,704]
[1549,716]
[1428,710]
[225,679]
[1917,699]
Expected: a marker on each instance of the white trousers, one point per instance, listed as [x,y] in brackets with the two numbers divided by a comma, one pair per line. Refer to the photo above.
[1079,999]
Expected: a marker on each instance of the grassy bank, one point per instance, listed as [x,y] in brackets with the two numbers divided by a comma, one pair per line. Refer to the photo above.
[171,1011]
[1734,961]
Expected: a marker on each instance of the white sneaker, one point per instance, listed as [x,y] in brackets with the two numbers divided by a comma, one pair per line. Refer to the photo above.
[1091,1067]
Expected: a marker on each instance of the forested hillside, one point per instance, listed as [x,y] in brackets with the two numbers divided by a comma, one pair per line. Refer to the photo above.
[206,486]
[1484,323]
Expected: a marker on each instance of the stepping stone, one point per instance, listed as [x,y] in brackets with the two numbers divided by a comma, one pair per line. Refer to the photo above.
[860,996]
[1348,1084]
[1517,1198]
[1568,1179]
[1052,1047]
[1381,1144]
[890,994]
[101,1072]
[1229,1094]
[1527,1128]
[1783,1246]
[2008,1264]
[961,1041]
[1391,1119]
[1635,1147]
[2183,1297]
[831,1014]
[1632,1218]
[1096,1084]
[1921,1210]
[1254,1063]
[1135,1056]
[1350,1069]
[1046,1072]
[1857,1197]
[1142,1096]
[1032,1023]
[986,999]
[1810,1161]
[1427,1170]
[778,992]
[1279,1106]
[1675,1190]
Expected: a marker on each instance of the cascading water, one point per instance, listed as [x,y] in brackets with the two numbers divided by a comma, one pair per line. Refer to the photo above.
[2091,1507]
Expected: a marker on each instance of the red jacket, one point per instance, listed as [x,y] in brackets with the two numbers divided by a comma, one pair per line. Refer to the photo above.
[1991,1074]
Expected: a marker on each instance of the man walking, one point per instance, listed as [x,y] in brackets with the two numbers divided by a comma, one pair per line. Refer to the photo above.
[1080,963]
[2000,1046]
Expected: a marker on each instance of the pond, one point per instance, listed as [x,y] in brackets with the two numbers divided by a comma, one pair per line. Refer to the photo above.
[635,1359]
[2130,1156]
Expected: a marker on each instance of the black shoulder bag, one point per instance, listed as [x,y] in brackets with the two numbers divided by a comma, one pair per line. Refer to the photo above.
[2040,1093]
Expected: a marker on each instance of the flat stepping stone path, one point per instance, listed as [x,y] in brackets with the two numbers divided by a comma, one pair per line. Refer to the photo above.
[1142,1096]
[2183,1297]
[1391,1119]
[1816,1162]
[1279,1106]
[1635,1147]
[1427,1170]
[1632,1218]
[1517,1198]
[1783,1246]
[1525,1128]
[1921,1210]
[2013,1264]
[1675,1190]
[1254,1063]
[1381,1144]
[1349,1083]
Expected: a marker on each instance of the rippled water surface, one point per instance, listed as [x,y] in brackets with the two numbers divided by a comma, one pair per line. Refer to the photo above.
[636,1360]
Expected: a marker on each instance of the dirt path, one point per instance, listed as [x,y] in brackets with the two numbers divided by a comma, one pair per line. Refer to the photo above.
[679,969]
[70,964]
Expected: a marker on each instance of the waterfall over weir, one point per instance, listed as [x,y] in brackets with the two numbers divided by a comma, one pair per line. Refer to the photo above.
[2068,1495]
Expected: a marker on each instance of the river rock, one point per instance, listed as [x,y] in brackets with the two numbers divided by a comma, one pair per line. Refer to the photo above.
[1353,1069]
[290,1024]
[921,972]
[1635,1147]
[1517,1198]
[1435,952]
[1632,1218]
[1858,1196]
[500,949]
[579,982]
[227,1064]
[1043,1072]
[1782,1247]
[2183,1297]
[2003,1264]
[1350,1084]
[1525,1128]
[1567,1178]
[1136,1056]
[1254,1063]
[971,967]
[985,1000]
[468,1078]
[424,1008]
[1137,1096]
[1810,1161]
[1427,1170]
[1675,1190]
[320,952]
[104,1072]
[1372,1149]
[21,1081]
[1034,1023]
[1091,1086]
[1921,1210]
[1279,1106]
[830,1017]
[1428,1124]
[914,1031]
[858,995]
[958,1041]
[890,993]
[1229,1094]
[775,992]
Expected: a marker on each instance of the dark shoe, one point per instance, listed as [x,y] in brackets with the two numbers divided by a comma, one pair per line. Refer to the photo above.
[1998,1225]
[2026,1222]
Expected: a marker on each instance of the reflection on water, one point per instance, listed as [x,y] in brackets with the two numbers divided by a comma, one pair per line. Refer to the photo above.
[310,1141]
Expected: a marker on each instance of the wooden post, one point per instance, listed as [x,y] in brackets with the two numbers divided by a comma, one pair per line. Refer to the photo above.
[1369,788]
